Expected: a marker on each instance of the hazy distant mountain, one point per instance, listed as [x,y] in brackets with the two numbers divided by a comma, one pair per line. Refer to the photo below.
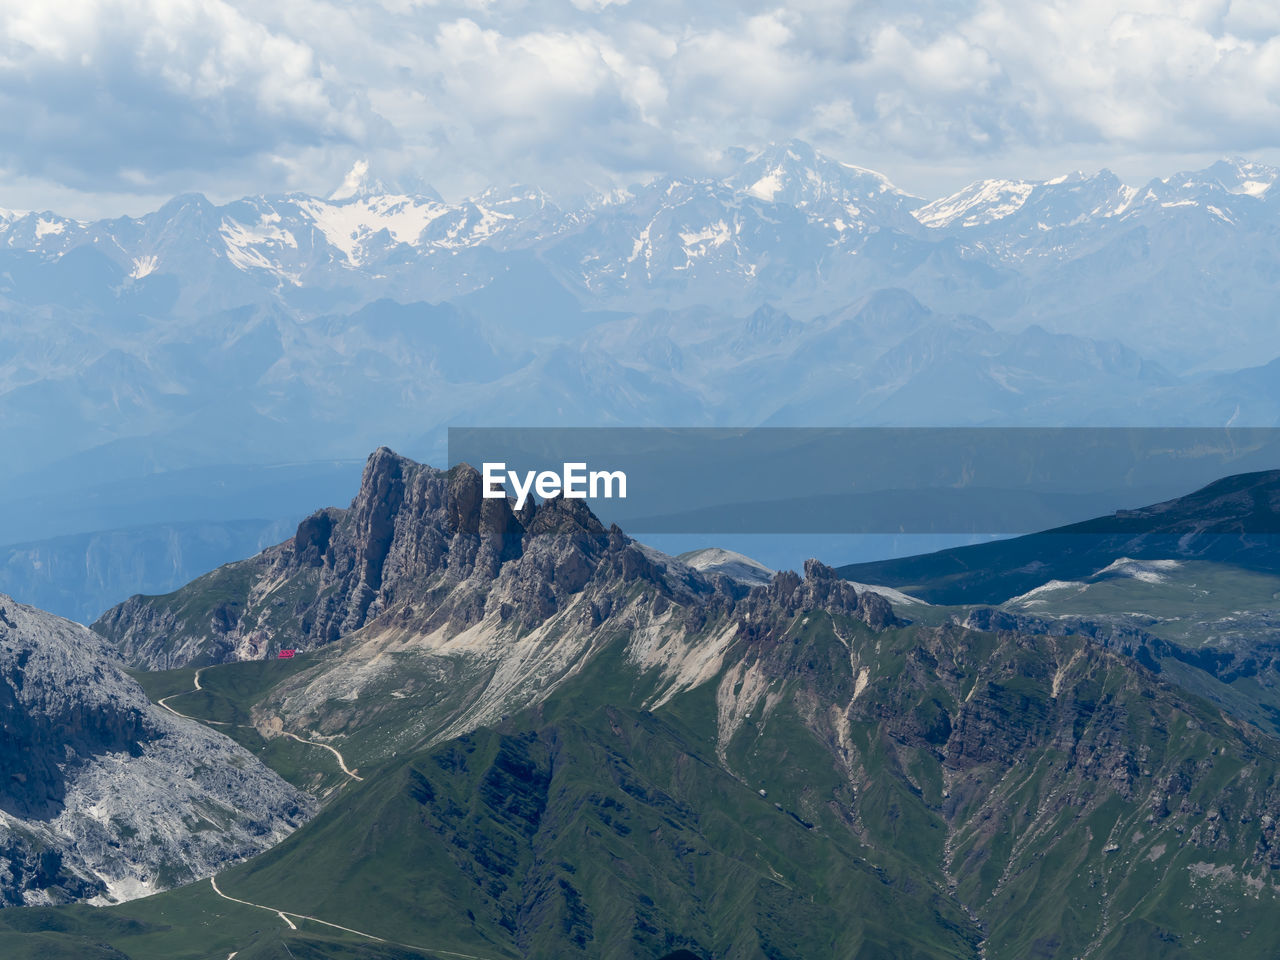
[1159,265]
[79,576]
[201,339]
[1231,521]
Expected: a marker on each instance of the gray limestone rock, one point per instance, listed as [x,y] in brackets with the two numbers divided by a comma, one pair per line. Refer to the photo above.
[105,796]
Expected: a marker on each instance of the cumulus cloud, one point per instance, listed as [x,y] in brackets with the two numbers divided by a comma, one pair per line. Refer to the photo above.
[105,94]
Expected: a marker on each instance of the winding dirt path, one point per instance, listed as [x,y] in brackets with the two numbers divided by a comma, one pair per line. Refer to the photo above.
[288,917]
[222,723]
[213,882]
[196,679]
[316,743]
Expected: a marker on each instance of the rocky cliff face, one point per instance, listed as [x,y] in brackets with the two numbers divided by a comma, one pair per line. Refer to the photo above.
[104,795]
[419,549]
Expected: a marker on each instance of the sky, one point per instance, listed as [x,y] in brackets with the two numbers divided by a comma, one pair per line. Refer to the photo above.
[110,107]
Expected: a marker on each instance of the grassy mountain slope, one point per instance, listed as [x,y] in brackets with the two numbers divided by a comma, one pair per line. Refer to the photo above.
[928,792]
[1234,521]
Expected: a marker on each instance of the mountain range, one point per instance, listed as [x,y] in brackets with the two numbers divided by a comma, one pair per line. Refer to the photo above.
[533,737]
[157,368]
[788,226]
[201,364]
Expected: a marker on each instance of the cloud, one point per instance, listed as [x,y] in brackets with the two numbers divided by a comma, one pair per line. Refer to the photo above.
[101,94]
[96,94]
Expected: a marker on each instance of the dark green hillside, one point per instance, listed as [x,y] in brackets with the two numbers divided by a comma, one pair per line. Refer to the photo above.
[608,836]
[188,924]
[1233,521]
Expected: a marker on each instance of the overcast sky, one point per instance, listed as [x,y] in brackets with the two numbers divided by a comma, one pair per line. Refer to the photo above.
[111,106]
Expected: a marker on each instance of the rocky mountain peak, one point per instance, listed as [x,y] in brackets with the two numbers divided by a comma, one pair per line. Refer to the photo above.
[420,550]
[418,547]
[815,569]
[766,610]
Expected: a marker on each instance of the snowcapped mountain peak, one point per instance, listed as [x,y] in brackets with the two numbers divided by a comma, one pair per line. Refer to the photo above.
[796,174]
[1075,176]
[1078,180]
[1240,176]
[516,197]
[1045,205]
[1226,190]
[360,184]
[980,203]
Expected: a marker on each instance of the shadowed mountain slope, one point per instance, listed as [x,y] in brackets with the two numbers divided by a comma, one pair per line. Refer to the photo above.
[1235,521]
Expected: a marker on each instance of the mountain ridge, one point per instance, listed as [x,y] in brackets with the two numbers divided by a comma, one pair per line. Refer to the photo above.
[417,549]
[1231,521]
[822,233]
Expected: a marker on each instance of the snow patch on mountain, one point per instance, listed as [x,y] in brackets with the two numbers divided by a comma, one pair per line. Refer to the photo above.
[1148,571]
[45,228]
[348,225]
[1039,595]
[977,204]
[144,266]
[889,593]
[242,242]
[767,187]
[698,243]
